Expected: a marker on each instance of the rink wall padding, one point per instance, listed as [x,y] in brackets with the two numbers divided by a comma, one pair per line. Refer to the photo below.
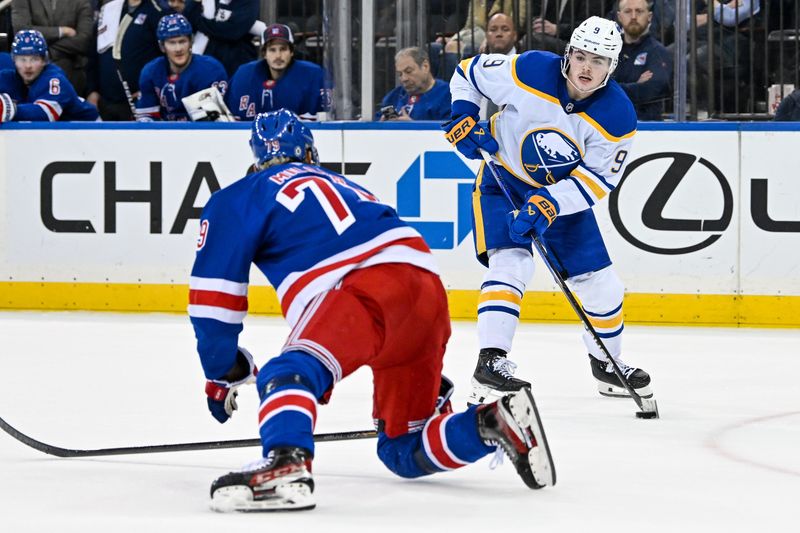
[704,229]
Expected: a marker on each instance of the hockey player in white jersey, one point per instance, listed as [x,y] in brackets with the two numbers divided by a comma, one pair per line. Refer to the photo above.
[561,143]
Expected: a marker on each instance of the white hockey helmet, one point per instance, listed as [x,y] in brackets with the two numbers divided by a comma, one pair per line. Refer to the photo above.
[599,36]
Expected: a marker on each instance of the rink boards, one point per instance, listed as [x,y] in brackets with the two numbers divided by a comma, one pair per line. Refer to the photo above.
[705,228]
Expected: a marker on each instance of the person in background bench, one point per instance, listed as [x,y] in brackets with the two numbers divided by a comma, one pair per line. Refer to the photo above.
[37,90]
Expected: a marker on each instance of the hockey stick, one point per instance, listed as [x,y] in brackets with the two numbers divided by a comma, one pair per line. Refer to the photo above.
[165,448]
[116,55]
[648,407]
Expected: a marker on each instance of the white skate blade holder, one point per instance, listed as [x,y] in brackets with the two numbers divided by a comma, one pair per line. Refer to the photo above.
[524,410]
[287,497]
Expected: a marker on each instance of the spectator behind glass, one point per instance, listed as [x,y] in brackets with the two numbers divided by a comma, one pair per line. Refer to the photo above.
[473,35]
[278,81]
[731,46]
[36,90]
[789,108]
[226,24]
[130,27]
[645,66]
[166,80]
[419,96]
[501,38]
[66,26]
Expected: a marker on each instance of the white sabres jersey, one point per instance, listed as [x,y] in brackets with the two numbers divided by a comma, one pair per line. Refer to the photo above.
[577,149]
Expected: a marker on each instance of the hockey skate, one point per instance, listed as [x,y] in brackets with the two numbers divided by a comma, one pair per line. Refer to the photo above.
[280,482]
[608,384]
[493,377]
[513,424]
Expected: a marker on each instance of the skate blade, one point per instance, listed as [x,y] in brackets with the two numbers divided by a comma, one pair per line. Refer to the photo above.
[524,410]
[611,391]
[296,496]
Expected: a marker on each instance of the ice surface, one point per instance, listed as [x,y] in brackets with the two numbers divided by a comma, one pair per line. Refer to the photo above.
[723,457]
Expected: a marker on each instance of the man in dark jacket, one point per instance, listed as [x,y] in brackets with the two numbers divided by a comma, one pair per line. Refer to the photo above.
[645,66]
[122,56]
[227,29]
[66,26]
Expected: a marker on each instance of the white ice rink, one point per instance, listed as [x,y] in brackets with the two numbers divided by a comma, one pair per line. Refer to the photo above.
[725,455]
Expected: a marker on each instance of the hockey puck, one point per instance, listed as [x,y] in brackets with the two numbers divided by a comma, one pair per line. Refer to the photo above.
[646,414]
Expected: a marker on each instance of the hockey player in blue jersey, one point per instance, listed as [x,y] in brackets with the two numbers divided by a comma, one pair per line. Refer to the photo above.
[37,90]
[358,287]
[166,80]
[278,81]
[561,144]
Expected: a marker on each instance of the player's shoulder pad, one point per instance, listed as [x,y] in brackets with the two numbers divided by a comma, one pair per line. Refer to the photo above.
[7,75]
[307,68]
[45,81]
[538,70]
[210,65]
[153,65]
[51,70]
[613,113]
[247,70]
[205,60]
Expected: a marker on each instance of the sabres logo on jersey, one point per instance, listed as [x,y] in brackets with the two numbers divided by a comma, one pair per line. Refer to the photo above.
[547,155]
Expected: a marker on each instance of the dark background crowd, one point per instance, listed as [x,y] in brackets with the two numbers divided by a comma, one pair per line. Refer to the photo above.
[740,55]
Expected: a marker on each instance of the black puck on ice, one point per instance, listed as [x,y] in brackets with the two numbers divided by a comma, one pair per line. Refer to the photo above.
[646,414]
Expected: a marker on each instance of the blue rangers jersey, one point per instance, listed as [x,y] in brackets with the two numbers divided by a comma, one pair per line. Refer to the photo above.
[432,105]
[162,91]
[301,89]
[305,228]
[50,97]
[577,149]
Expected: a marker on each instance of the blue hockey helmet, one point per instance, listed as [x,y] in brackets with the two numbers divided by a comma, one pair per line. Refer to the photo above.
[281,134]
[29,43]
[173,25]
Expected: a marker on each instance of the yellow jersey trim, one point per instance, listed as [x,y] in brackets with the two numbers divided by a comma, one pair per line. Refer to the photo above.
[605,323]
[598,191]
[506,296]
[526,87]
[602,130]
[464,64]
[480,238]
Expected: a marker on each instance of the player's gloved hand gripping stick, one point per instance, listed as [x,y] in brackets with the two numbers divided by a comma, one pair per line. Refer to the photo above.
[539,212]
[469,137]
[222,393]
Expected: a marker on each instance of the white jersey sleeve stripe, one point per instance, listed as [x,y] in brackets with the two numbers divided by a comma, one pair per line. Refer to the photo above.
[217,313]
[51,108]
[218,285]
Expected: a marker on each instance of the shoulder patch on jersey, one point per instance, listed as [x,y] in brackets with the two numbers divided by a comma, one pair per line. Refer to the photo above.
[538,73]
